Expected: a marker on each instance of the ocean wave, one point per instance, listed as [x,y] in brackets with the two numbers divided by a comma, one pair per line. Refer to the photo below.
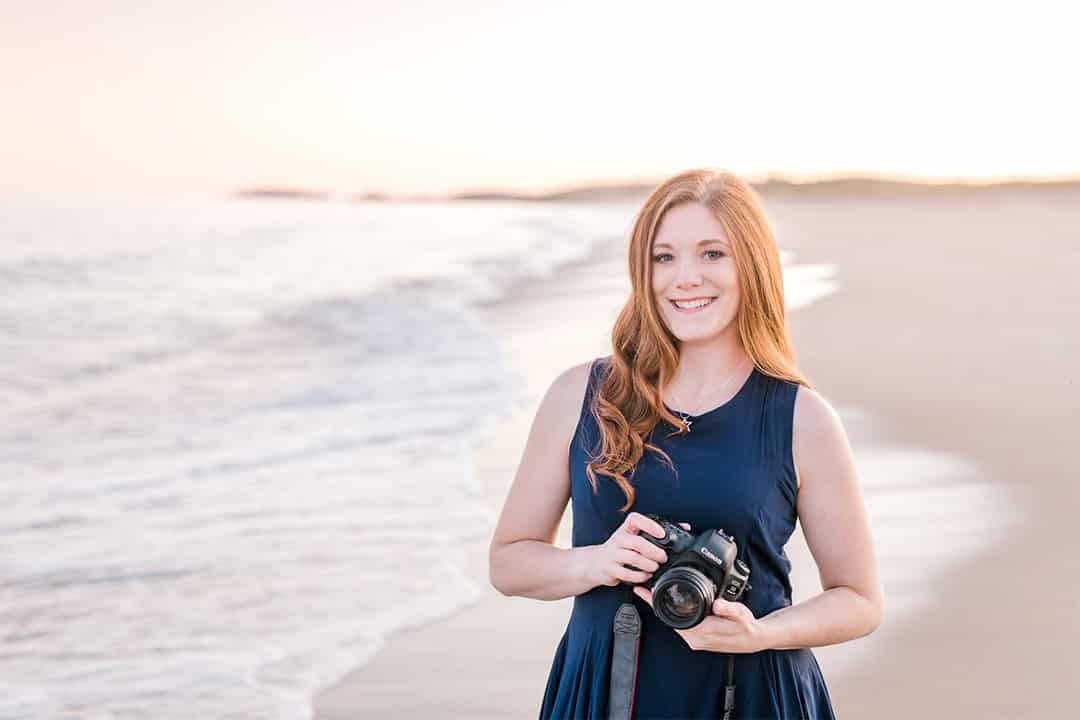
[234,462]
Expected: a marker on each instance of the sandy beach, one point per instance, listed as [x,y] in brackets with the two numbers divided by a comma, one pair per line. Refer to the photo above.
[951,340]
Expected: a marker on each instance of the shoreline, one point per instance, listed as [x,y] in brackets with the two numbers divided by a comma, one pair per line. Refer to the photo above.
[940,376]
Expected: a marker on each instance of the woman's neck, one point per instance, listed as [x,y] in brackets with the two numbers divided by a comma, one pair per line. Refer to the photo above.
[703,367]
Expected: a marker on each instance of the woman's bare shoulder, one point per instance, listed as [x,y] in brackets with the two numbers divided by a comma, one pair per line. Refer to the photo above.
[575,378]
[568,389]
[814,416]
[816,429]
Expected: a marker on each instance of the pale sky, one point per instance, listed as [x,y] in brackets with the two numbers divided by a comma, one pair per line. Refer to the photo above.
[406,96]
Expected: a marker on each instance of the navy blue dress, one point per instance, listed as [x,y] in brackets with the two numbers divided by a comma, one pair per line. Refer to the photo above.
[735,472]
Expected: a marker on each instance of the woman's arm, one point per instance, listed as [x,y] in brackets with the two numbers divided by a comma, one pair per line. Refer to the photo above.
[523,559]
[837,531]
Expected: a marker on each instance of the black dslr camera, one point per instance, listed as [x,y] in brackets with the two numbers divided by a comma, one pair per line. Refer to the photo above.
[699,569]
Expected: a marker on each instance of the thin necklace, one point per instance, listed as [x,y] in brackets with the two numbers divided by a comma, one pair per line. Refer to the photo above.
[685,417]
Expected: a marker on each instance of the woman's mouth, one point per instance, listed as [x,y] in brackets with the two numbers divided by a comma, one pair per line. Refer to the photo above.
[692,305]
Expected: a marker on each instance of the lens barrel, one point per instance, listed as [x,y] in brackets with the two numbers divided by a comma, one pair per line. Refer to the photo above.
[683,597]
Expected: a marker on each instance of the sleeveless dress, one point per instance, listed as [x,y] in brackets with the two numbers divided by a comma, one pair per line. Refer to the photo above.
[736,473]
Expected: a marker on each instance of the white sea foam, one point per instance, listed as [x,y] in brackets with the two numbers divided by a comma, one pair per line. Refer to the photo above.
[236,439]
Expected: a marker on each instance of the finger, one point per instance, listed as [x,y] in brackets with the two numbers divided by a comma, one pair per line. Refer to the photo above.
[685,526]
[644,593]
[726,608]
[634,577]
[641,523]
[643,547]
[639,561]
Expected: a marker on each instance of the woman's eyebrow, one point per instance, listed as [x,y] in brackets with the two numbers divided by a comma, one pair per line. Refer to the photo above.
[706,241]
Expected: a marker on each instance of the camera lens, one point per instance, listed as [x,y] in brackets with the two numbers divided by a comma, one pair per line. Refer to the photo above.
[683,597]
[680,600]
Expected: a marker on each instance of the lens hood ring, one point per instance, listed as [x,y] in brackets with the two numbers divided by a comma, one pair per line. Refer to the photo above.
[683,597]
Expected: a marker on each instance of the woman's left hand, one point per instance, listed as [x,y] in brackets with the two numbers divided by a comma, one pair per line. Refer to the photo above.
[731,628]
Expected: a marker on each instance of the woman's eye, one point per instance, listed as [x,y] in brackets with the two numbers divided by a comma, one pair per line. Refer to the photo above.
[710,254]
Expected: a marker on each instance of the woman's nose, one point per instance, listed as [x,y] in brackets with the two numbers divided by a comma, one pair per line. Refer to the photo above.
[688,274]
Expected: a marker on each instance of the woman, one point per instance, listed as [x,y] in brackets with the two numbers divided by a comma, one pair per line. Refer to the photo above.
[698,416]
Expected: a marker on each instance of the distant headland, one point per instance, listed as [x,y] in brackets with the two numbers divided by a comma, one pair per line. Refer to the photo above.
[282,193]
[638,191]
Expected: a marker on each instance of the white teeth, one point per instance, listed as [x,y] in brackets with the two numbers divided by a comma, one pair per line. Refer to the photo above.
[691,305]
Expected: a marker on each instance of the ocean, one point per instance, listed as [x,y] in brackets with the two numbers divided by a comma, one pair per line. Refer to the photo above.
[234,448]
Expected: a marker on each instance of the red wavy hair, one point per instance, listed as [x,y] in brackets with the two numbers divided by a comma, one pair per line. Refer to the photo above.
[645,354]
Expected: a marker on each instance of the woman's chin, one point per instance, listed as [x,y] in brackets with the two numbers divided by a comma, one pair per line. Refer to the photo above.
[697,334]
[696,337]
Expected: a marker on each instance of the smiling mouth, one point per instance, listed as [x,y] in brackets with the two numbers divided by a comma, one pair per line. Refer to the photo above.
[692,305]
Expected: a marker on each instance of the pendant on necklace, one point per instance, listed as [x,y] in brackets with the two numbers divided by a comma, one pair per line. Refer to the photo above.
[686,421]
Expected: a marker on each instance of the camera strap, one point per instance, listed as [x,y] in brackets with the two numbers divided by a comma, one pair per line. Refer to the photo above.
[626,642]
[729,691]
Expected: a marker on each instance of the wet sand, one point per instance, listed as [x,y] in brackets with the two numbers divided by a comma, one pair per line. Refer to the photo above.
[953,334]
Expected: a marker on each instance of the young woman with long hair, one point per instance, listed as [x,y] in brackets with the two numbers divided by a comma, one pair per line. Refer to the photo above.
[698,416]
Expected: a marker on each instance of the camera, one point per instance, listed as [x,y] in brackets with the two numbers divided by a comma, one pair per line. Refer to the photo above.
[699,569]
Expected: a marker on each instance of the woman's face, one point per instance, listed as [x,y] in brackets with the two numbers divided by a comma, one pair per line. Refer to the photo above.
[691,260]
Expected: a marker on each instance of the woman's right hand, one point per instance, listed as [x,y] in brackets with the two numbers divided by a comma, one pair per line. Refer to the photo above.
[626,547]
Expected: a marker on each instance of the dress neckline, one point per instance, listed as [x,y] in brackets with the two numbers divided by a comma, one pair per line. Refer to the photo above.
[741,391]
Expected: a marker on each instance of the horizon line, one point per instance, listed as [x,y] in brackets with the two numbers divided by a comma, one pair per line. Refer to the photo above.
[639,182]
